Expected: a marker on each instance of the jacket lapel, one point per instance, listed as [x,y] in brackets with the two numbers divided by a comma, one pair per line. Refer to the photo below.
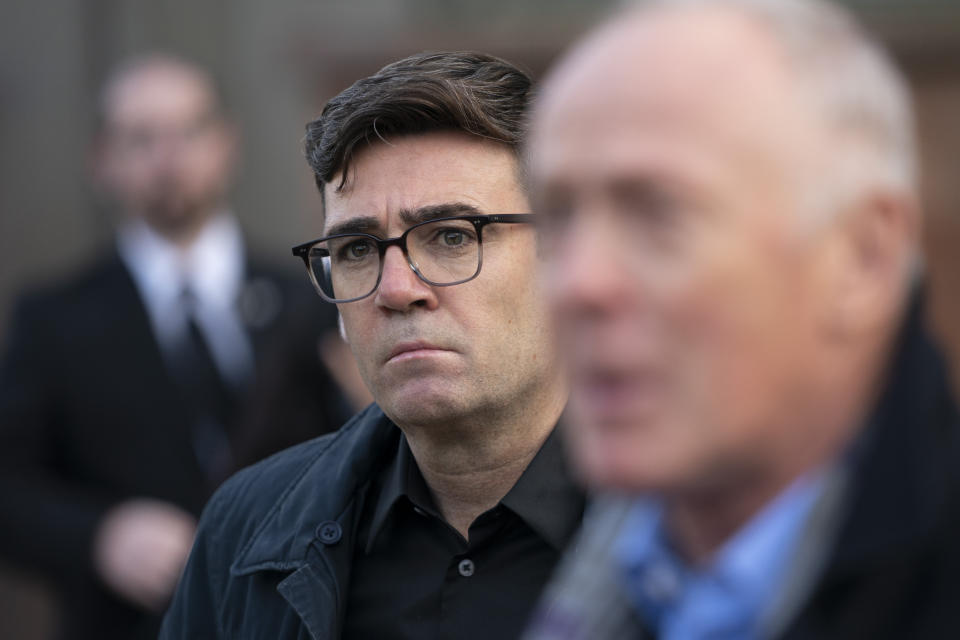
[902,472]
[904,464]
[311,591]
[310,532]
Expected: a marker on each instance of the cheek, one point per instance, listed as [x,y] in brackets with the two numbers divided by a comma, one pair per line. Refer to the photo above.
[664,453]
[203,167]
[735,338]
[128,173]
[357,337]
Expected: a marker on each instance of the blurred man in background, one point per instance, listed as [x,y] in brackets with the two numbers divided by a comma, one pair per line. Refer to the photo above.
[440,511]
[729,193]
[122,394]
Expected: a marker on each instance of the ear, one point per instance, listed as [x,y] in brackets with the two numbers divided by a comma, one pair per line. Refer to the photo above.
[877,240]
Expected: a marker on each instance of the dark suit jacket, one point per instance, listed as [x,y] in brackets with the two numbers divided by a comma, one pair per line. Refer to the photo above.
[90,416]
[880,557]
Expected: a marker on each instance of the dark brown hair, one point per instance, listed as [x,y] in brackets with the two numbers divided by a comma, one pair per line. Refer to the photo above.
[470,92]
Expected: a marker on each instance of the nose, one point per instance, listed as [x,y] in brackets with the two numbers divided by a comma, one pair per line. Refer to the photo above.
[400,288]
[587,274]
[165,151]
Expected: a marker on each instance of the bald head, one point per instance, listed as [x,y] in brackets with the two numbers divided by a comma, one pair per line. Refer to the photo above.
[839,83]
[729,219]
[155,78]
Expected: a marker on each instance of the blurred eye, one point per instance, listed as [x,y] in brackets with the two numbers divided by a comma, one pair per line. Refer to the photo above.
[553,209]
[138,139]
[554,224]
[653,204]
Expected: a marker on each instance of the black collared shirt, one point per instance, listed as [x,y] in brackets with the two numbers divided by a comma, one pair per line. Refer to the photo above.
[415,577]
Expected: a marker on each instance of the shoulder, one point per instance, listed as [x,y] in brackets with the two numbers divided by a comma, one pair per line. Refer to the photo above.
[82,279]
[247,497]
[89,287]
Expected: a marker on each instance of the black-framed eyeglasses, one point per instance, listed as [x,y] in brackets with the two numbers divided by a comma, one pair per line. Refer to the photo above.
[442,252]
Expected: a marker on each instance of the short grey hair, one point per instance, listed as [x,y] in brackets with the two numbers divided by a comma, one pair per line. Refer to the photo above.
[864,96]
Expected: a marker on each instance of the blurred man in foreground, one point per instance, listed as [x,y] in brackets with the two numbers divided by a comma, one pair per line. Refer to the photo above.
[440,511]
[731,224]
[121,393]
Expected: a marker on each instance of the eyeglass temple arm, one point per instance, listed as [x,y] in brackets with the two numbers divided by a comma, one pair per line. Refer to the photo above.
[512,218]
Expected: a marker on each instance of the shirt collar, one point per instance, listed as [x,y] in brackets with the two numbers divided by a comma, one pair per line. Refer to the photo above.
[401,480]
[545,496]
[742,578]
[212,265]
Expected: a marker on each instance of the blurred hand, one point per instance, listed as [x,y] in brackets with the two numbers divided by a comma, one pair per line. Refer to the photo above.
[140,550]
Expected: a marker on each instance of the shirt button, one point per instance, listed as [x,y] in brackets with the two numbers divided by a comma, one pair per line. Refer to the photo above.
[466,567]
[329,532]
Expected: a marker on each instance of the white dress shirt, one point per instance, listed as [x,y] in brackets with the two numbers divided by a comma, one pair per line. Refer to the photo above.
[212,268]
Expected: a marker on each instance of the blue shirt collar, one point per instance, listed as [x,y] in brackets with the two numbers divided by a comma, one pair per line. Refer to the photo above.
[729,594]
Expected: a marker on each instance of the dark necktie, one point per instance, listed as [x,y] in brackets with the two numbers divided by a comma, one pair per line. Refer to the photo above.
[210,400]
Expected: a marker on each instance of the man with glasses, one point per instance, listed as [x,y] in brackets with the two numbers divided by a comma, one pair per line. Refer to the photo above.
[440,510]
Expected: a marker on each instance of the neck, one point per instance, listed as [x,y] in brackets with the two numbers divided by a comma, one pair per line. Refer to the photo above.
[824,418]
[471,473]
[702,519]
[701,522]
[183,233]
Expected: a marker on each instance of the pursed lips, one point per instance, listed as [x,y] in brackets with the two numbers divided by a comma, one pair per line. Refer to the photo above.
[413,349]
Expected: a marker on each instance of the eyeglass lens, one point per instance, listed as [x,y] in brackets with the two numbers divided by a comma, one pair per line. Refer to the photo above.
[442,252]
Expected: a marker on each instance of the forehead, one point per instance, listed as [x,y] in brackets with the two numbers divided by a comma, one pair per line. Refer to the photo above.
[676,84]
[157,93]
[415,171]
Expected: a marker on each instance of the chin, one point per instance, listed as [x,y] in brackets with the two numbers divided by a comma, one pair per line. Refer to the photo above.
[623,461]
[417,407]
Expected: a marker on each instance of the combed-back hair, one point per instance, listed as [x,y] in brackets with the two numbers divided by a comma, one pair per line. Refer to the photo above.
[474,93]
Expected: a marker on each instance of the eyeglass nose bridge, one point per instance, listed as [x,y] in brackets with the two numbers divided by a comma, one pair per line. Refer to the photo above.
[401,242]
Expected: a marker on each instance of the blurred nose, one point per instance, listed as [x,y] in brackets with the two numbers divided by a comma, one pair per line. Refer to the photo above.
[400,289]
[587,272]
[163,151]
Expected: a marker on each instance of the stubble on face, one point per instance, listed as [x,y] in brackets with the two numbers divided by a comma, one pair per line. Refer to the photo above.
[166,150]
[488,351]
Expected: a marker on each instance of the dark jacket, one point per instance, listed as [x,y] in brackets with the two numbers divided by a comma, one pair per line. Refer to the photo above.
[90,416]
[880,560]
[275,545]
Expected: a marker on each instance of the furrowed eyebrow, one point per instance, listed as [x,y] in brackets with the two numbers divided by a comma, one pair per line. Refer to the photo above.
[432,212]
[410,217]
[362,224]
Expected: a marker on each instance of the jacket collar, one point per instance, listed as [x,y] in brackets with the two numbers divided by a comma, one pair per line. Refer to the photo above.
[322,492]
[903,467]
